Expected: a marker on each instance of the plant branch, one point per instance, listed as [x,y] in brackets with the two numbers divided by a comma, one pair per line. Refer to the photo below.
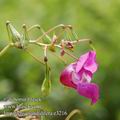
[80,40]
[72,114]
[38,43]
[4,50]
[61,58]
[38,60]
[71,55]
[50,30]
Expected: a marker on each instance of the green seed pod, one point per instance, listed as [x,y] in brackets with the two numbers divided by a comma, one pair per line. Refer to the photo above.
[46,85]
[14,35]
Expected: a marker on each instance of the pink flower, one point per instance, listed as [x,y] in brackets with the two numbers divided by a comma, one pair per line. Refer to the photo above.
[78,75]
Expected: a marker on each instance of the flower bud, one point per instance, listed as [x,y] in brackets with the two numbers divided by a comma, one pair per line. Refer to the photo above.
[68,45]
[54,39]
[62,52]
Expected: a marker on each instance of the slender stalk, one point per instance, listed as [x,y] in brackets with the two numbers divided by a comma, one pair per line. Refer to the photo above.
[45,51]
[38,60]
[50,30]
[38,43]
[48,37]
[72,114]
[47,45]
[7,27]
[26,36]
[80,40]
[71,55]
[59,57]
[32,27]
[3,116]
[4,50]
[60,34]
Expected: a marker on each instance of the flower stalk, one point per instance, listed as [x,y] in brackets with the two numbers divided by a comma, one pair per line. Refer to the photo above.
[4,50]
[72,113]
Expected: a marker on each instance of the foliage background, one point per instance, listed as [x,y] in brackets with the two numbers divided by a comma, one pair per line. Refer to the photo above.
[98,20]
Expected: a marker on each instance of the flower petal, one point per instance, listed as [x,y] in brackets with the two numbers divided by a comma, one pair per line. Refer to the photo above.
[90,63]
[89,90]
[81,61]
[66,76]
[85,75]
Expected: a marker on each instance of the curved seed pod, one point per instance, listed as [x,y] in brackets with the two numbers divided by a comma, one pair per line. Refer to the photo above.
[14,35]
[46,85]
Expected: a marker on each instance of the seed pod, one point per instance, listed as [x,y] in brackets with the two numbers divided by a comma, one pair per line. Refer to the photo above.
[14,35]
[46,85]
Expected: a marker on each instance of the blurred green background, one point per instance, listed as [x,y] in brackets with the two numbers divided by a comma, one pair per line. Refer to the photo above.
[99,20]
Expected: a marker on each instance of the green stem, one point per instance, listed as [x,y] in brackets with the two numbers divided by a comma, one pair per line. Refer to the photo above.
[4,50]
[7,27]
[71,55]
[44,33]
[50,30]
[32,27]
[72,114]
[3,116]
[61,58]
[38,43]
[38,60]
[80,40]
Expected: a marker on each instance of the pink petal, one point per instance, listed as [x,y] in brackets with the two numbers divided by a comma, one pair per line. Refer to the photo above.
[66,76]
[85,75]
[81,61]
[89,90]
[90,63]
[78,75]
